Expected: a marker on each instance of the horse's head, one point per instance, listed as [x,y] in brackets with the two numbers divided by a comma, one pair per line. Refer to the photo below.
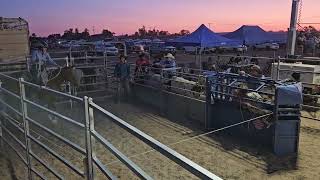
[71,74]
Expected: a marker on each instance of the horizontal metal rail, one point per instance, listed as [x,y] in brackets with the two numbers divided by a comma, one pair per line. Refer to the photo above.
[9,77]
[92,84]
[10,107]
[16,151]
[14,137]
[53,91]
[15,125]
[297,71]
[93,91]
[229,56]
[55,113]
[59,157]
[103,169]
[88,67]
[166,151]
[41,176]
[10,93]
[131,165]
[56,135]
[56,174]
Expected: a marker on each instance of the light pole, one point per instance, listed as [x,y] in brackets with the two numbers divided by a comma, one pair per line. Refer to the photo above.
[292,34]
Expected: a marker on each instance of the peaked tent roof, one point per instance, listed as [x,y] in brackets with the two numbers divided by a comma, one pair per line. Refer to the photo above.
[250,35]
[204,37]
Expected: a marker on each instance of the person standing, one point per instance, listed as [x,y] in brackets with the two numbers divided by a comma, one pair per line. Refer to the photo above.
[122,73]
[141,64]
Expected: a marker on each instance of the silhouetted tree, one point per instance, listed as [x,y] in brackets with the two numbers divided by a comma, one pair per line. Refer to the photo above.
[107,33]
[184,32]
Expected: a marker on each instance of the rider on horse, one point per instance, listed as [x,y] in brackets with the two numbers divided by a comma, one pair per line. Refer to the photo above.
[39,61]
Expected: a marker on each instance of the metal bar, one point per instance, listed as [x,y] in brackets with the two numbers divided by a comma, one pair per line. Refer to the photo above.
[38,174]
[56,174]
[89,163]
[103,169]
[297,71]
[14,137]
[9,77]
[9,92]
[16,151]
[131,165]
[1,136]
[168,92]
[25,126]
[54,91]
[310,118]
[171,154]
[67,141]
[16,126]
[94,91]
[56,155]
[10,107]
[251,90]
[55,114]
[87,67]
[95,75]
[91,84]
[308,106]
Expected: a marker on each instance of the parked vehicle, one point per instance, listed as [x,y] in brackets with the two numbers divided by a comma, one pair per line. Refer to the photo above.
[237,48]
[107,48]
[191,49]
[269,46]
[137,48]
[169,49]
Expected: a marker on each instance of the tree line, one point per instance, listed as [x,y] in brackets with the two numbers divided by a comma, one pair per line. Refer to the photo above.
[75,34]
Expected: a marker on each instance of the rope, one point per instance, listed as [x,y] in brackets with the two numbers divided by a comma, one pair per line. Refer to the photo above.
[197,136]
[60,69]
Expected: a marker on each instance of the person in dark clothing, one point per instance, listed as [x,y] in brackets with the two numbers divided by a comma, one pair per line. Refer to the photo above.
[238,59]
[122,73]
[296,76]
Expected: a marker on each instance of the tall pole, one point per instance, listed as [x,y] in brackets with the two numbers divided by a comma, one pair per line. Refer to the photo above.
[292,34]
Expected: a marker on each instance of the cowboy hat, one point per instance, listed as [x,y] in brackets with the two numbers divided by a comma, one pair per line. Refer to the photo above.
[170,56]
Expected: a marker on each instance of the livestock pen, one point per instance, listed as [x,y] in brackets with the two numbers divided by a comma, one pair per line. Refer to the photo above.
[219,152]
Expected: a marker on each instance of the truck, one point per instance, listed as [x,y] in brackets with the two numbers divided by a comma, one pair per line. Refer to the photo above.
[14,39]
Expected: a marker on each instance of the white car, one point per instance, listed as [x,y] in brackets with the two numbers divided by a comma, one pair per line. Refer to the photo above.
[191,49]
[237,48]
[109,49]
[272,46]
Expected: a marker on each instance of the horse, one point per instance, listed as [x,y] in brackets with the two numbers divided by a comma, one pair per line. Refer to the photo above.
[56,78]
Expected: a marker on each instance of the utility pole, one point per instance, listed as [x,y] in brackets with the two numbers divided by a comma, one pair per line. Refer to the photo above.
[292,33]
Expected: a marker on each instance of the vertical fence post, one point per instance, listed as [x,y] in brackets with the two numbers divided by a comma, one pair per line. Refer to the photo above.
[1,143]
[25,125]
[105,60]
[278,69]
[88,159]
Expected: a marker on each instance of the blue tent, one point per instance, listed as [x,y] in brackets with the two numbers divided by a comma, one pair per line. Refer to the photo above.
[250,35]
[203,37]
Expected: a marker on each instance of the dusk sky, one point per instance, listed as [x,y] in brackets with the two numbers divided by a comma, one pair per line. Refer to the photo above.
[126,16]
